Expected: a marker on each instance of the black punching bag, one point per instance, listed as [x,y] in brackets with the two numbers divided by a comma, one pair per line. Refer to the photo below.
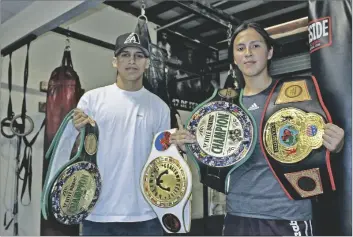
[330,41]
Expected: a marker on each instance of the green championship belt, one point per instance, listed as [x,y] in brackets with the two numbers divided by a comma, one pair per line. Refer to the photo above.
[291,129]
[166,182]
[226,136]
[74,189]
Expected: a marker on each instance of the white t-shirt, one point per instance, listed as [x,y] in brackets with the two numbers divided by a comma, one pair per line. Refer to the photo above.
[127,123]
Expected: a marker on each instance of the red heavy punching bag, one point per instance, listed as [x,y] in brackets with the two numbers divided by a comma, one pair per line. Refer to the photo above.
[330,41]
[63,94]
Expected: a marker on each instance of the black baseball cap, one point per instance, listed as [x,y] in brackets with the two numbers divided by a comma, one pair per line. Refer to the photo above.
[132,40]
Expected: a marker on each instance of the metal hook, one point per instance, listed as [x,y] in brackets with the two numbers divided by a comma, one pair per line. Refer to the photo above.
[143,12]
[67,47]
[229,32]
[143,6]
[142,16]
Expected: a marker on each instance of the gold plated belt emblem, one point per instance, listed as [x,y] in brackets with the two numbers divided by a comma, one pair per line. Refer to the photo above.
[77,193]
[291,134]
[165,182]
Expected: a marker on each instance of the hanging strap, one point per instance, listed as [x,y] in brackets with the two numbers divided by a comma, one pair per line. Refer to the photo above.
[7,225]
[20,129]
[10,114]
[23,114]
[15,207]
[25,81]
[66,60]
[26,164]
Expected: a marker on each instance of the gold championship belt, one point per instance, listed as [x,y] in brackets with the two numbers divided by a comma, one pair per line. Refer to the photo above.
[226,136]
[166,183]
[72,192]
[291,129]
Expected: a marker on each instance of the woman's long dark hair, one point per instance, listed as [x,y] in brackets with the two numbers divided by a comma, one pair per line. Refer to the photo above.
[244,26]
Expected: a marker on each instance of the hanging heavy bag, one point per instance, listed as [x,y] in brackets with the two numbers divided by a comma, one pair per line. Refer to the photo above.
[154,79]
[63,94]
[330,41]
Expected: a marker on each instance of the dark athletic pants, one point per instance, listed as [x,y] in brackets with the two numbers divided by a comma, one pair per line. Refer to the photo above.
[236,225]
[150,227]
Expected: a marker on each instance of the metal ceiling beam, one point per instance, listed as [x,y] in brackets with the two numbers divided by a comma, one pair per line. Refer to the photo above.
[288,26]
[189,16]
[191,39]
[126,6]
[217,38]
[123,6]
[281,38]
[290,33]
[220,3]
[196,11]
[245,6]
[278,13]
[160,8]
[84,38]
[284,18]
[219,13]
[280,29]
[202,28]
[175,22]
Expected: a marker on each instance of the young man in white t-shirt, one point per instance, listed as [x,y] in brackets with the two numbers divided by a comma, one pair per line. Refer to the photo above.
[128,117]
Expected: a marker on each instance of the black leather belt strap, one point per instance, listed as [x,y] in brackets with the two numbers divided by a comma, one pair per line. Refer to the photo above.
[214,177]
[317,159]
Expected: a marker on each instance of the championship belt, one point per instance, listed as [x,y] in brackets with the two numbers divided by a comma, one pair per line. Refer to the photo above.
[226,136]
[166,183]
[291,129]
[75,188]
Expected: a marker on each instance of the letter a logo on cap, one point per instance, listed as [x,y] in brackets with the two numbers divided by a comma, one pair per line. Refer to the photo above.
[132,38]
